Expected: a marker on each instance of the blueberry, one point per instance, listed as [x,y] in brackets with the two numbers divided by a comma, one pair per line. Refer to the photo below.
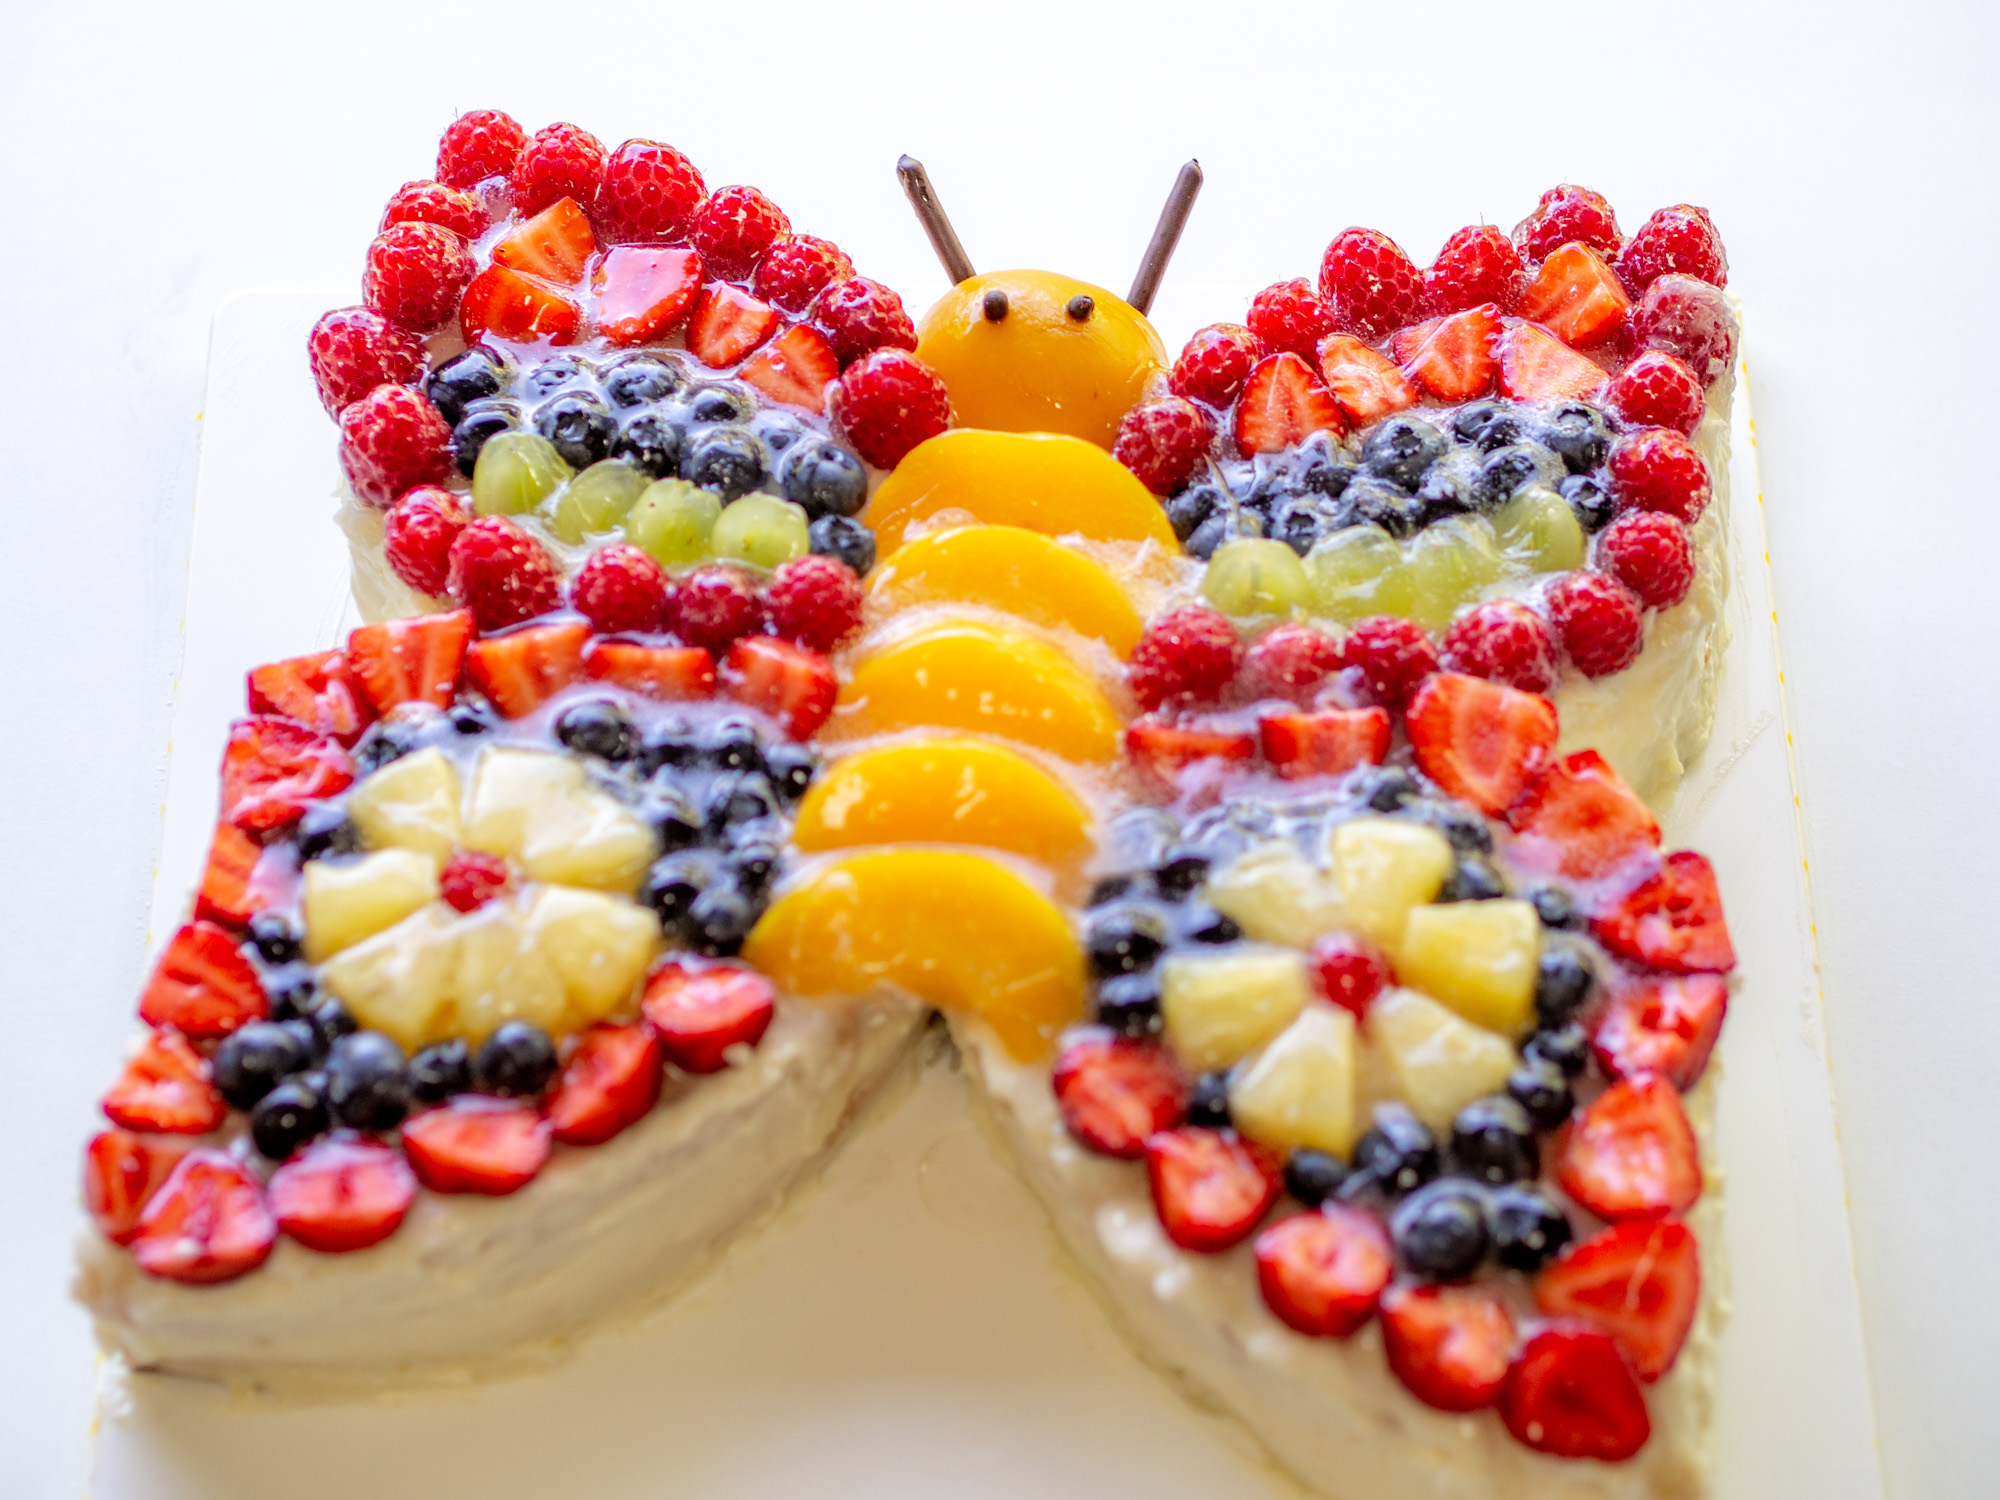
[1541,1088]
[674,883]
[1377,502]
[1400,449]
[674,816]
[275,937]
[1322,467]
[579,426]
[1398,1154]
[1208,1100]
[1595,508]
[1194,505]
[640,378]
[719,921]
[367,1084]
[1130,1003]
[823,479]
[438,1072]
[1528,1230]
[468,717]
[1312,1177]
[745,797]
[672,744]
[731,745]
[1138,837]
[1578,435]
[1181,871]
[1466,830]
[308,1036]
[1473,879]
[1198,922]
[1494,1141]
[1108,888]
[845,539]
[386,741]
[728,461]
[1440,1233]
[1487,425]
[1508,471]
[707,405]
[482,421]
[1556,907]
[1444,492]
[599,727]
[1210,534]
[292,991]
[1386,788]
[755,859]
[289,1117]
[778,431]
[517,1061]
[653,442]
[332,1021]
[557,373]
[458,382]
[791,769]
[1567,1046]
[256,1058]
[1302,522]
[1124,938]
[1563,983]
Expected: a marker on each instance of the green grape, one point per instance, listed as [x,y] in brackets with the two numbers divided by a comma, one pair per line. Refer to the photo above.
[1357,572]
[673,520]
[1539,532]
[1255,576]
[516,472]
[1450,564]
[762,530]
[597,499]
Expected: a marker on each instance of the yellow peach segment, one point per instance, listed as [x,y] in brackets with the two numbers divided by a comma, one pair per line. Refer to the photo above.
[954,929]
[1016,571]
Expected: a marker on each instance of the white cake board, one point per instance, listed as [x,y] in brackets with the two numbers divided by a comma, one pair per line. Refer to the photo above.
[907,1329]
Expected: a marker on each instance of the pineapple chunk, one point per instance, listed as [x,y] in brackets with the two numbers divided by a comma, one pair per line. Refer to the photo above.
[1220,1006]
[599,945]
[355,899]
[1440,1062]
[1275,896]
[537,809]
[1299,1091]
[1478,957]
[401,980]
[502,976]
[1382,867]
[411,803]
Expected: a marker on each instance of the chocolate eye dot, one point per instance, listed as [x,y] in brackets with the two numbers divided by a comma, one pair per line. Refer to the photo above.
[995,305]
[1080,306]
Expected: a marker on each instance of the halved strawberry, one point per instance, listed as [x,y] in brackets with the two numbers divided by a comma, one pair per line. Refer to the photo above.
[523,669]
[1674,921]
[520,309]
[1664,1026]
[1479,740]
[1452,358]
[727,323]
[411,661]
[1578,296]
[229,890]
[476,1144]
[610,1081]
[165,1089]
[1323,1273]
[793,684]
[700,1013]
[1331,742]
[272,769]
[1631,1152]
[1210,1187]
[1579,818]
[671,673]
[203,986]
[342,1193]
[1449,1345]
[645,291]
[207,1223]
[1283,401]
[795,369]
[1162,751]
[317,691]
[1572,1394]
[1535,366]
[1639,1281]
[1116,1091]
[1366,386]
[121,1172]
[556,244]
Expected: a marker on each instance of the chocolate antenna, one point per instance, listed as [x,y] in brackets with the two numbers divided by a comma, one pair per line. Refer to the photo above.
[1166,235]
[930,213]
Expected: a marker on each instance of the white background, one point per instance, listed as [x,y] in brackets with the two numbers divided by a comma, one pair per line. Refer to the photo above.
[154,159]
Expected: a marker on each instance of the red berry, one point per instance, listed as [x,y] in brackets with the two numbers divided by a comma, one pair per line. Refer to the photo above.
[1115,1091]
[1370,283]
[164,1089]
[1673,921]
[1210,1187]
[1568,213]
[1676,241]
[1215,363]
[815,601]
[414,275]
[203,987]
[1658,469]
[1650,554]
[622,589]
[1350,971]
[1688,319]
[1291,661]
[520,670]
[860,316]
[559,161]
[479,144]
[343,1193]
[1598,621]
[700,1013]
[1187,656]
[610,1081]
[353,350]
[1581,819]
[798,268]
[273,769]
[417,535]
[1449,1345]
[1326,742]
[1323,1273]
[651,192]
[207,1223]
[1392,656]
[122,1169]
[733,229]
[502,574]
[1479,740]
[1639,1281]
[1503,641]
[1572,1394]
[391,440]
[793,684]
[887,403]
[714,606]
[1656,390]
[1631,1152]
[470,880]
[1162,441]
[1291,315]
[1665,1025]
[1478,264]
[477,1144]
[434,203]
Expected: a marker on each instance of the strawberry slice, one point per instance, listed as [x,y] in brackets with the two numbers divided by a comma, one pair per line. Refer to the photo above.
[1210,1187]
[342,1193]
[701,1013]
[645,291]
[1664,1026]
[793,684]
[207,1223]
[1479,740]
[1283,401]
[317,691]
[1163,752]
[1580,819]
[1452,358]
[165,1089]
[411,661]
[1639,1281]
[272,769]
[1534,366]
[1673,922]
[1366,386]
[727,324]
[523,669]
[1115,1091]
[1323,1273]
[1571,1394]
[796,369]
[1331,742]
[476,1144]
[1631,1152]
[232,890]
[203,986]
[517,308]
[556,244]
[1578,296]
[669,673]
[1449,1345]
[610,1081]
[121,1172]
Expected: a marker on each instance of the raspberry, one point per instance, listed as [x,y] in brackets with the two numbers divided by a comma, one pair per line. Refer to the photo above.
[1291,661]
[1597,620]
[391,439]
[1216,363]
[559,161]
[1391,655]
[1650,554]
[414,275]
[502,574]
[650,192]
[417,537]
[434,203]
[1659,470]
[468,880]
[1478,264]
[1291,315]
[815,601]
[1679,240]
[1504,641]
[353,350]
[1161,441]
[481,144]
[715,606]
[1370,282]
[621,588]
[734,227]
[860,316]
[798,268]
[887,403]
[1690,320]
[1188,656]
[1568,213]
[1656,390]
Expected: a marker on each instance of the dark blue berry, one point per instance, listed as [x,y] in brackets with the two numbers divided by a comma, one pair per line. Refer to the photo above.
[482,421]
[469,717]
[1563,982]
[1400,449]
[1194,505]
[1377,502]
[1466,830]
[673,884]
[1123,938]
[1312,1177]
[674,816]
[439,1072]
[275,937]
[292,1115]
[755,860]
[719,920]
[1182,870]
[256,1058]
[1595,508]
[1210,534]
[639,378]
[579,427]
[707,405]
[742,797]
[1440,1233]
[559,372]
[1578,435]
[791,769]
[292,991]
[732,745]
[367,1084]
[653,441]
[1320,466]
[1487,425]
[1387,788]
[1398,1154]
[674,744]
[600,728]
[1300,523]
[1556,907]
[1494,1141]
[460,381]
[728,461]
[1208,1100]
[385,742]
[326,830]
[1130,1003]
[1444,492]
[844,539]
[1567,1046]
[1198,922]
[1107,888]
[1508,471]
[517,1061]
[1473,879]
[332,1021]
[823,479]
[1528,1230]
[1541,1088]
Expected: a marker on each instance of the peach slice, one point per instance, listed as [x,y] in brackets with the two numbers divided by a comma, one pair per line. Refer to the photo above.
[1013,570]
